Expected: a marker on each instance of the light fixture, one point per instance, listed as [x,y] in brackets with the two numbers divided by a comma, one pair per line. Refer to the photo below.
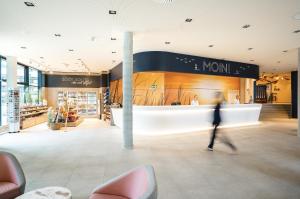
[112,12]
[113,52]
[250,48]
[29,4]
[23,47]
[167,42]
[57,35]
[296,31]
[93,38]
[41,57]
[113,38]
[284,51]
[71,50]
[211,46]
[246,26]
[113,61]
[188,20]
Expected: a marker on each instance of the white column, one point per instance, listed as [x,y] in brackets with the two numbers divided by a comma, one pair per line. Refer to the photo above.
[13,95]
[11,72]
[298,93]
[127,90]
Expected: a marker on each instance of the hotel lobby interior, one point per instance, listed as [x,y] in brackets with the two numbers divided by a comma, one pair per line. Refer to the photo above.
[122,99]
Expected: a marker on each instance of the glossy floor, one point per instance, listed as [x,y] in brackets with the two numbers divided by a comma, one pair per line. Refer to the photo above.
[267,165]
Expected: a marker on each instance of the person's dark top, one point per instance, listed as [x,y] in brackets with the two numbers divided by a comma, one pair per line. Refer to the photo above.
[217,115]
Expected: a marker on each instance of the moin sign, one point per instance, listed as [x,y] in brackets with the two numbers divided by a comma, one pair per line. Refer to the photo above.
[213,67]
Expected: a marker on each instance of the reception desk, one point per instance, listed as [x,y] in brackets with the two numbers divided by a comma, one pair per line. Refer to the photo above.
[154,120]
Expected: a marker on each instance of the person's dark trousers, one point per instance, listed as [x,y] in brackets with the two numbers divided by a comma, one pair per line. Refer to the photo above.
[213,136]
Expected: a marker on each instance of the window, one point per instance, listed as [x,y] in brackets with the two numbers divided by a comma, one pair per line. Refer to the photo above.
[33,77]
[33,86]
[20,74]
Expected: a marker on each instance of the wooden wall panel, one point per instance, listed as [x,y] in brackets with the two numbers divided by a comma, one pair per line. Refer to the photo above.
[163,88]
[182,87]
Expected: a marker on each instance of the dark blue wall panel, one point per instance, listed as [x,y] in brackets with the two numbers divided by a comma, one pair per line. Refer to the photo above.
[175,62]
[294,89]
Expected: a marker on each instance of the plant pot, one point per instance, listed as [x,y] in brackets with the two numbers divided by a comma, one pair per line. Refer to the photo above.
[55,126]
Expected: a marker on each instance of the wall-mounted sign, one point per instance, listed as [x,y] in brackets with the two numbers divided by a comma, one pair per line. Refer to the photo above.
[175,62]
[71,81]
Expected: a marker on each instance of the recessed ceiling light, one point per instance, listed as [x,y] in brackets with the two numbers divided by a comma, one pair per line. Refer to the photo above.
[284,51]
[296,31]
[188,20]
[167,42]
[211,46]
[113,38]
[57,35]
[29,4]
[113,52]
[246,26]
[71,50]
[251,59]
[112,12]
[79,59]
[23,47]
[250,48]
[41,57]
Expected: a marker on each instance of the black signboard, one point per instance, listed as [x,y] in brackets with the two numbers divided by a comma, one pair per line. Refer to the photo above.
[175,62]
[73,81]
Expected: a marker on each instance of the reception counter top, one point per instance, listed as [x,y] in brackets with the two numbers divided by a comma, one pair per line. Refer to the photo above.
[179,119]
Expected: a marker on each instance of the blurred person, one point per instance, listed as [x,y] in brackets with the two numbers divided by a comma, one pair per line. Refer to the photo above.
[195,101]
[216,122]
[237,99]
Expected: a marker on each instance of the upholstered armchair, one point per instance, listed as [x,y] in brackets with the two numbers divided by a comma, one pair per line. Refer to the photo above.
[139,183]
[12,179]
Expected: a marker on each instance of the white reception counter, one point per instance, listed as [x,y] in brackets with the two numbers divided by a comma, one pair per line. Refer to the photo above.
[179,119]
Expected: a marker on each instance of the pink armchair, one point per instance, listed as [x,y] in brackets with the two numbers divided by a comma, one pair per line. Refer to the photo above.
[12,179]
[139,183]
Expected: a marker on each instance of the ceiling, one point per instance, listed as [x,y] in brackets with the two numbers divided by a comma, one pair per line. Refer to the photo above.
[87,27]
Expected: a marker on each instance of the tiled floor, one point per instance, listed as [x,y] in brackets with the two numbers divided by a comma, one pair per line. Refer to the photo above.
[267,165]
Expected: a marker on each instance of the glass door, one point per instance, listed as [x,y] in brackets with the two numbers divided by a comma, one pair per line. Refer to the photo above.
[92,103]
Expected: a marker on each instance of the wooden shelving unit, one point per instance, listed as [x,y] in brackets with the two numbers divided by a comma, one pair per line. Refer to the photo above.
[32,115]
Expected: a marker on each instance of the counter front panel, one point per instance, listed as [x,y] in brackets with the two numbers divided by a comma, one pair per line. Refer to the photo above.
[154,120]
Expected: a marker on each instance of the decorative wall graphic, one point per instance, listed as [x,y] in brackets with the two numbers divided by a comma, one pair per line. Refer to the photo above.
[13,110]
[173,62]
[174,87]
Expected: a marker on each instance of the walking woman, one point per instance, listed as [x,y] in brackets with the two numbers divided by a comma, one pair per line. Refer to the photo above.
[216,122]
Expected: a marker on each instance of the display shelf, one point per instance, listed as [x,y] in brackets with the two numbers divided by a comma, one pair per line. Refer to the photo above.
[85,102]
[33,115]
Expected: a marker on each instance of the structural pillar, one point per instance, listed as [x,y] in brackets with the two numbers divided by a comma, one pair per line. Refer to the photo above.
[13,95]
[127,90]
[298,93]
